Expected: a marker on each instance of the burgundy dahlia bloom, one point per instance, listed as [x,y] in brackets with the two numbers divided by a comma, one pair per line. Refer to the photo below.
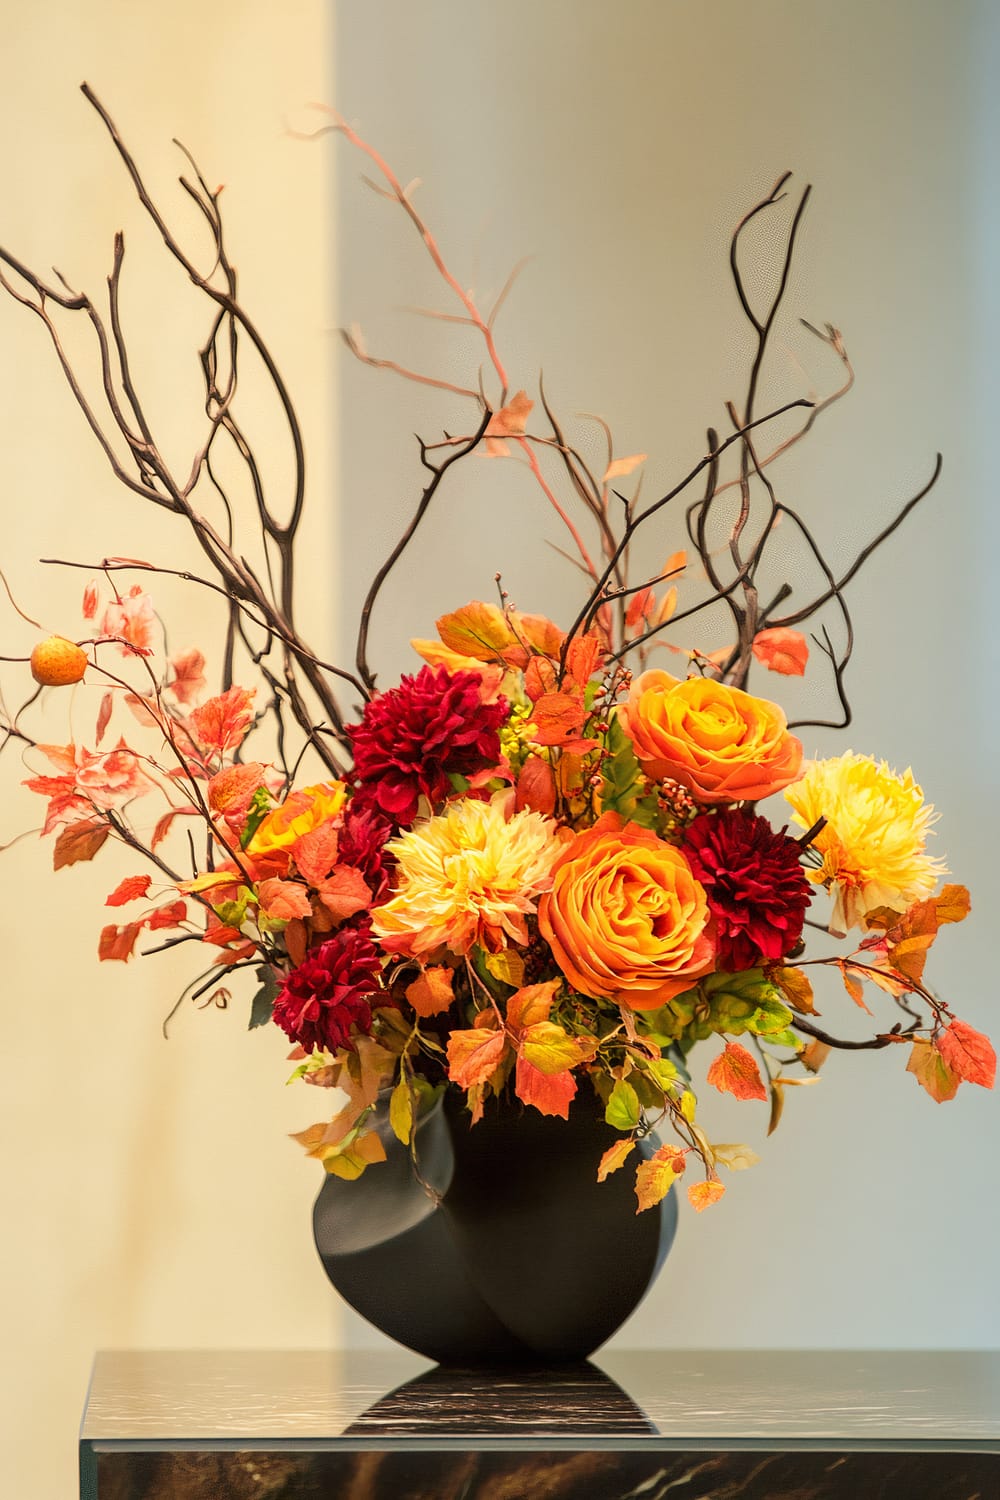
[330,991]
[757,890]
[412,738]
[361,844]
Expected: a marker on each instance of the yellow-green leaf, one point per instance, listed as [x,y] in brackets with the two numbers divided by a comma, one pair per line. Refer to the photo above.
[507,966]
[623,1106]
[655,1178]
[550,1049]
[401,1112]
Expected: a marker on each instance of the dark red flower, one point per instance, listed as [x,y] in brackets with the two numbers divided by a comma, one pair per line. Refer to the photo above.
[413,738]
[757,890]
[330,992]
[362,844]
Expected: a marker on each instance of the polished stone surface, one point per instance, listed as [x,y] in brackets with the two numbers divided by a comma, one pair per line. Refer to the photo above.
[686,1426]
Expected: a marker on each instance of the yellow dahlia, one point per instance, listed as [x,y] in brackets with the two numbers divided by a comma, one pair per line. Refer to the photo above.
[469,876]
[872,846]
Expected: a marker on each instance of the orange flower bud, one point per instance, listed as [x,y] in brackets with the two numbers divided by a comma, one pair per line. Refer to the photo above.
[56,662]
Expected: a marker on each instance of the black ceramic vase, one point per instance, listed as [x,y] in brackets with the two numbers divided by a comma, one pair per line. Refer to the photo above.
[527,1259]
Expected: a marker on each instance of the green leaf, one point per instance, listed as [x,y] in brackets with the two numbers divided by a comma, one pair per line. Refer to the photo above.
[663,1072]
[623,784]
[623,1106]
[260,806]
[771,1017]
[263,1002]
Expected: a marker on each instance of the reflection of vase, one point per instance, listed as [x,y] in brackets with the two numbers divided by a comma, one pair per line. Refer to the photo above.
[527,1259]
[573,1400]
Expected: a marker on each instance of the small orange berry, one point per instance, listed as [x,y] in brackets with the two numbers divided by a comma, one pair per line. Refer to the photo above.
[56,662]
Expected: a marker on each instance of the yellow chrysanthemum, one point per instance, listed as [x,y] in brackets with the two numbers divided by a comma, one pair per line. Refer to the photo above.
[469,876]
[872,847]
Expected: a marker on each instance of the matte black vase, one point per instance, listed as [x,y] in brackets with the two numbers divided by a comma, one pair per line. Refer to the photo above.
[527,1260]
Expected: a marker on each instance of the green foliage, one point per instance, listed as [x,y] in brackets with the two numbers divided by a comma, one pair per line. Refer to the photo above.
[263,1002]
[623,1106]
[623,785]
[260,806]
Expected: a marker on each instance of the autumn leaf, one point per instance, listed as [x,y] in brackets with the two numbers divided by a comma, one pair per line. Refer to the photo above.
[315,853]
[796,989]
[163,824]
[622,1109]
[401,1112]
[853,985]
[549,1093]
[230,791]
[556,717]
[814,1055]
[188,681]
[119,942]
[654,1178]
[968,1053]
[702,1195]
[510,421]
[482,631]
[614,1157]
[432,992]
[931,1071]
[664,610]
[344,893]
[167,916]
[507,966]
[103,717]
[584,655]
[130,889]
[782,650]
[351,1162]
[640,607]
[221,724]
[735,1072]
[281,900]
[79,842]
[619,468]
[532,1004]
[551,1049]
[540,634]
[474,1055]
[737,1158]
[952,904]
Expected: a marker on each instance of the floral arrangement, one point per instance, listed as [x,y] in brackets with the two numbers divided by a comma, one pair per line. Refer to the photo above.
[536,868]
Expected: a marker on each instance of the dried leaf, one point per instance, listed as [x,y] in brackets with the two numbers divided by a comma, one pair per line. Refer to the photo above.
[952,904]
[103,717]
[511,420]
[614,1157]
[737,1158]
[796,989]
[702,1195]
[433,992]
[782,650]
[814,1055]
[931,1071]
[618,468]
[735,1072]
[968,1053]
[401,1112]
[79,842]
[655,1178]
[549,1093]
[474,1055]
[130,889]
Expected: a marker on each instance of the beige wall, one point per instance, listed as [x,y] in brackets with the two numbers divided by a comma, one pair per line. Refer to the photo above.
[150,1195]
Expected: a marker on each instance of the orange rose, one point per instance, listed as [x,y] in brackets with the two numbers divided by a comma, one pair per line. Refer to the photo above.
[717,741]
[271,846]
[625,919]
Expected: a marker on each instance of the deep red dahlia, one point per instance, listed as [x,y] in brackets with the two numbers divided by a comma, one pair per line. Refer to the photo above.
[362,844]
[756,888]
[330,991]
[413,737]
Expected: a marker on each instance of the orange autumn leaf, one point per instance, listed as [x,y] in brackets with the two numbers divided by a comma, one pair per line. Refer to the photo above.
[344,893]
[735,1072]
[474,1055]
[584,655]
[481,631]
[536,787]
[280,900]
[130,889]
[510,421]
[654,1178]
[315,853]
[556,718]
[614,1157]
[540,634]
[952,904]
[620,468]
[931,1071]
[665,608]
[188,681]
[796,989]
[968,1053]
[103,717]
[782,650]
[852,984]
[549,1093]
[433,992]
[118,942]
[814,1055]
[640,607]
[167,916]
[539,677]
[79,842]
[702,1195]
[163,824]
[531,1004]
[221,724]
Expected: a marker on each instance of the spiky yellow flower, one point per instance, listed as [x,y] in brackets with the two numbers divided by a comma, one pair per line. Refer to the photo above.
[872,846]
[469,876]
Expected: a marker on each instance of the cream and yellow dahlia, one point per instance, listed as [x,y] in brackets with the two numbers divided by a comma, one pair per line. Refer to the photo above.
[469,876]
[872,845]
